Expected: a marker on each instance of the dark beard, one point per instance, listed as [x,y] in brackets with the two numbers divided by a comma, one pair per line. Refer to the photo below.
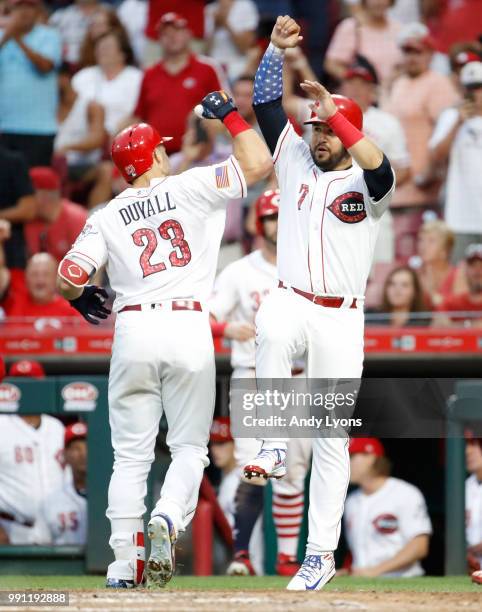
[331,163]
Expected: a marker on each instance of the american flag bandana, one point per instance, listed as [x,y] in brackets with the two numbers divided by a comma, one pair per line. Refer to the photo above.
[222,177]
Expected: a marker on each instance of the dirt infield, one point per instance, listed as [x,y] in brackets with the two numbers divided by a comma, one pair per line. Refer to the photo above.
[265,601]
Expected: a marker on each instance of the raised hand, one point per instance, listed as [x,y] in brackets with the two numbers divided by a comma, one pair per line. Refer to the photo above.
[323,105]
[216,105]
[285,33]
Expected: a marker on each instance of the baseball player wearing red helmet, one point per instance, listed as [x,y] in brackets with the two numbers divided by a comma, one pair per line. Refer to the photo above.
[333,194]
[160,240]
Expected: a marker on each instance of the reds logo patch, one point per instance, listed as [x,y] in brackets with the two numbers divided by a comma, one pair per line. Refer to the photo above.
[349,207]
[386,523]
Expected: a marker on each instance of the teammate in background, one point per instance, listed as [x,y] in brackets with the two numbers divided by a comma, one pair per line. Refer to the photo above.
[333,195]
[221,449]
[473,505]
[160,240]
[386,521]
[64,512]
[239,291]
[31,465]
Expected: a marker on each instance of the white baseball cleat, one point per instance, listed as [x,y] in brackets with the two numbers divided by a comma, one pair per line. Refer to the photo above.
[314,573]
[268,463]
[161,563]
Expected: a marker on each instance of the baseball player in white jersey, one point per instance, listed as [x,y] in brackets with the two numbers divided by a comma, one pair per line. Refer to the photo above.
[473,506]
[63,515]
[387,525]
[333,194]
[239,292]
[31,467]
[160,240]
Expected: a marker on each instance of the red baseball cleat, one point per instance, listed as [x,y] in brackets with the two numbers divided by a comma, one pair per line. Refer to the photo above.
[241,565]
[287,565]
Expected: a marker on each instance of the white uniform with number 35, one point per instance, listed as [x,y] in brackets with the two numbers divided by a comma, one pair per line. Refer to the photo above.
[160,244]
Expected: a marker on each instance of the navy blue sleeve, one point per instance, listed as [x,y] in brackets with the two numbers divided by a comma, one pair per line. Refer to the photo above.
[267,96]
[272,120]
[380,180]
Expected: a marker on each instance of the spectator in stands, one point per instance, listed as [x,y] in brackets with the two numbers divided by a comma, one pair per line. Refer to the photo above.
[387,525]
[437,276]
[63,514]
[473,502]
[186,77]
[31,467]
[404,11]
[41,300]
[469,302]
[360,84]
[78,146]
[417,98]
[458,138]
[402,299]
[72,23]
[192,10]
[451,20]
[29,55]
[221,449]
[104,19]
[133,16]
[58,221]
[373,35]
[460,55]
[17,204]
[113,82]
[230,28]
[5,233]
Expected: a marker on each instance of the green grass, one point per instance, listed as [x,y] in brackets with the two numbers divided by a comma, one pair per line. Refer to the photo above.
[450,584]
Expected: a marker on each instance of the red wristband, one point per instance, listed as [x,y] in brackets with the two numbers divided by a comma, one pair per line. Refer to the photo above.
[217,329]
[346,131]
[235,123]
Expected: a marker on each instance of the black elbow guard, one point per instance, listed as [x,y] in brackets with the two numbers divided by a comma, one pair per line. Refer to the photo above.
[380,180]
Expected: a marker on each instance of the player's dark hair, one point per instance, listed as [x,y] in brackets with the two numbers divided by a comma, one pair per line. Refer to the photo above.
[123,42]
[417,304]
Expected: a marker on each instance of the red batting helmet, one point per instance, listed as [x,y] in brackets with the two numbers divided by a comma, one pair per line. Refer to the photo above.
[347,107]
[267,204]
[133,148]
[27,369]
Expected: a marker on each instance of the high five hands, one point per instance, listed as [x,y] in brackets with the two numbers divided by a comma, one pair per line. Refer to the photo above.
[286,33]
[323,104]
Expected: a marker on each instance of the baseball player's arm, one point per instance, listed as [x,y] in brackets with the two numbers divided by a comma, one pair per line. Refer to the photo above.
[415,550]
[87,255]
[378,172]
[249,149]
[268,83]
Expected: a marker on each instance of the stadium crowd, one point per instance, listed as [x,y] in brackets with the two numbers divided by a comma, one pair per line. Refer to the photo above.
[73,73]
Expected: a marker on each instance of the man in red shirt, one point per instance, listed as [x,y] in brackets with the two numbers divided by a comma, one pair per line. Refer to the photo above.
[58,221]
[465,302]
[41,300]
[172,88]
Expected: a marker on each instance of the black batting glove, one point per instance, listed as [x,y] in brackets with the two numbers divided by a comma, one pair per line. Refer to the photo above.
[91,304]
[216,105]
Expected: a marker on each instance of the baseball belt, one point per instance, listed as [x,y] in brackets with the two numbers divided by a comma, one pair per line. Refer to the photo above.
[320,300]
[6,516]
[175,305]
